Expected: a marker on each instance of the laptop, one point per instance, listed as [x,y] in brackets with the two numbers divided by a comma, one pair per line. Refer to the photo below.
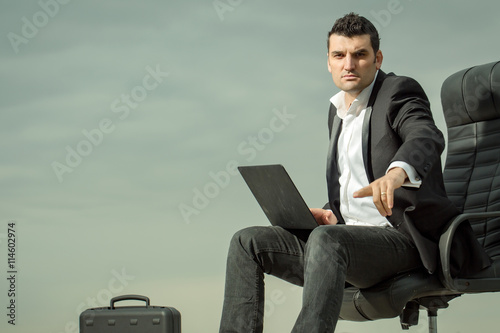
[278,197]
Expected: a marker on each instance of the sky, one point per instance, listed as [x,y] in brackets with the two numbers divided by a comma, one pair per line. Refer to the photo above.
[122,122]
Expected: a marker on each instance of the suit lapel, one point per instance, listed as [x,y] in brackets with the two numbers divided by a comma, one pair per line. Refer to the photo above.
[332,167]
[332,171]
[366,144]
[367,128]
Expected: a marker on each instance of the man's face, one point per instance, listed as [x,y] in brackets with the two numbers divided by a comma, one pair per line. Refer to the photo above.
[352,62]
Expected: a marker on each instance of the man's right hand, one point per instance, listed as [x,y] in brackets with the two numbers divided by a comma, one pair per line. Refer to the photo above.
[323,216]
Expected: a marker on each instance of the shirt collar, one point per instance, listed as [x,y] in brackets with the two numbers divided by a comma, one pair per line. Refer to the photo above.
[360,103]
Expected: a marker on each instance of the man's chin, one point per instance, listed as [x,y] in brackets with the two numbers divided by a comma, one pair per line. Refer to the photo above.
[351,88]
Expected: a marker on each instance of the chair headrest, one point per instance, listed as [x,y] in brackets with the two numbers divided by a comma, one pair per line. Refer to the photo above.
[472,95]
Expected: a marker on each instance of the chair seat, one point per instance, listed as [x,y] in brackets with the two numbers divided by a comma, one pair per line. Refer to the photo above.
[388,298]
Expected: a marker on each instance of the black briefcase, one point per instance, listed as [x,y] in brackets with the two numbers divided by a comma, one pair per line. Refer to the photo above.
[130,319]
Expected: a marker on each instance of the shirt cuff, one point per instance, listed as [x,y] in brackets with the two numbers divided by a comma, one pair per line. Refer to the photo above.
[414,179]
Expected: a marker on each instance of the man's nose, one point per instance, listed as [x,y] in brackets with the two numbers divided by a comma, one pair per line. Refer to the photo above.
[349,64]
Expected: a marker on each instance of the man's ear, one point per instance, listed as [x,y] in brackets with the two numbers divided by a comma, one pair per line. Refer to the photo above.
[378,59]
[328,63]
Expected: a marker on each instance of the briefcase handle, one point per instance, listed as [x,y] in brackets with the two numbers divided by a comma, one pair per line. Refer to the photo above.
[129,297]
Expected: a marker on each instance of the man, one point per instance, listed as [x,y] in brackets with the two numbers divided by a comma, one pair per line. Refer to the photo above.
[387,203]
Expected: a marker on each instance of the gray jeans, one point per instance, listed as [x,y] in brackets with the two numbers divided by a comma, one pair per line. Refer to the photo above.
[333,255]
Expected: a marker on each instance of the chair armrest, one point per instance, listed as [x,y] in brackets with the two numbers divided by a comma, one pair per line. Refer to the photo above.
[445,245]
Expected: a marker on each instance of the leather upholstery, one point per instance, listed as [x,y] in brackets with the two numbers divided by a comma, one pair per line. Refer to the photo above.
[471,105]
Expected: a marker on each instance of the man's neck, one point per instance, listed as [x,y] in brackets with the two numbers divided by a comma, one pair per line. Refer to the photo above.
[350,97]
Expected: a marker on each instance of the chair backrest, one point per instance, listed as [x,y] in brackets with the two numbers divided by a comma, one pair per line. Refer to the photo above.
[471,105]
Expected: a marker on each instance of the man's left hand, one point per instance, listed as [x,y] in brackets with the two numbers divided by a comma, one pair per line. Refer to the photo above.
[382,190]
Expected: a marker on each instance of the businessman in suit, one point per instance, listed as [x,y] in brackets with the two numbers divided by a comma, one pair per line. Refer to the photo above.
[387,203]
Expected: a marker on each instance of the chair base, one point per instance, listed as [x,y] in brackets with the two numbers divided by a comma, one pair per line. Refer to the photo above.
[409,316]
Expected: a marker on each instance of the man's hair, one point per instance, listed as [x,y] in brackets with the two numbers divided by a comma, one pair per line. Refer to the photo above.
[355,25]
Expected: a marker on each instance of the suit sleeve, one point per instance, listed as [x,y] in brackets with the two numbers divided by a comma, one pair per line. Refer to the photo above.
[411,118]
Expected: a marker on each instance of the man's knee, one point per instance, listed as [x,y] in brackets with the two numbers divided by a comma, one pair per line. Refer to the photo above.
[324,243]
[331,233]
[246,239]
[324,235]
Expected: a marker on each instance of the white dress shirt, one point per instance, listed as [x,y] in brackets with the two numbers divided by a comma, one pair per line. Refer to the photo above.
[359,211]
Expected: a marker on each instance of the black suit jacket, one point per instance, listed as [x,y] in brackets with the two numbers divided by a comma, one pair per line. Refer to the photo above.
[398,126]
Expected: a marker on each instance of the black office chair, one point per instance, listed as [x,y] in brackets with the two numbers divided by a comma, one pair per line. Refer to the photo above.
[471,104]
